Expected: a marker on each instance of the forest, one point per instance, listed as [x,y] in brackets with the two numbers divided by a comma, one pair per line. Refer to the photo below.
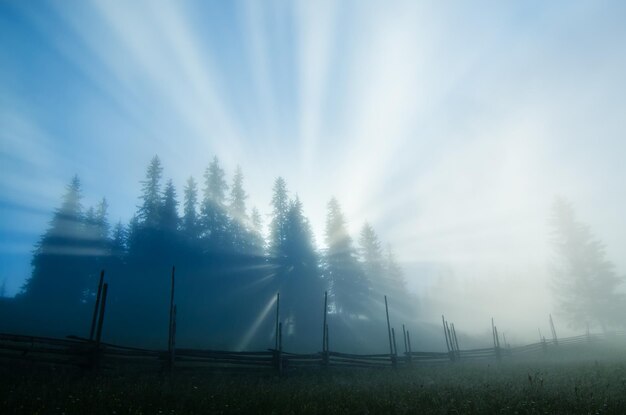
[227,271]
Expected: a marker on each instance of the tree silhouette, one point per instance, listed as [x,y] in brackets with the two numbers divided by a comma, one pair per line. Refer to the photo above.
[371,254]
[348,284]
[278,225]
[190,222]
[60,265]
[257,242]
[150,209]
[240,236]
[214,220]
[169,215]
[225,267]
[585,282]
[297,272]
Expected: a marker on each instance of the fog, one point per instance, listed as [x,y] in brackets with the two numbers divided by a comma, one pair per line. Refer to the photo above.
[451,129]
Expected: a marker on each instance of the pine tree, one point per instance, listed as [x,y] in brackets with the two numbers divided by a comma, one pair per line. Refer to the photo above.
[585,282]
[371,253]
[149,211]
[59,277]
[119,240]
[299,277]
[215,183]
[101,220]
[132,235]
[238,196]
[299,243]
[349,286]
[213,211]
[169,209]
[257,240]
[190,224]
[239,218]
[394,272]
[280,207]
[96,244]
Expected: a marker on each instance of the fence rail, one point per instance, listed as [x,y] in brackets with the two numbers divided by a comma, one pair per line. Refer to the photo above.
[88,354]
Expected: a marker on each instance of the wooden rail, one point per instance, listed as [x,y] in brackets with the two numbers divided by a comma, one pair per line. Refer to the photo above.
[80,352]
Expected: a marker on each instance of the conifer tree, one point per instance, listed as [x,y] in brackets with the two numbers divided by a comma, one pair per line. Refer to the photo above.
[150,209]
[59,272]
[214,218]
[585,283]
[96,243]
[169,213]
[280,207]
[299,243]
[349,286]
[241,237]
[119,240]
[299,278]
[371,253]
[190,224]
[238,196]
[257,240]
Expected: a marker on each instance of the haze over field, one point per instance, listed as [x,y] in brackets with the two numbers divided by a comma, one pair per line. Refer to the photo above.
[449,127]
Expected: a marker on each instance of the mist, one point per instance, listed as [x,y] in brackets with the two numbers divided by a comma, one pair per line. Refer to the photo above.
[450,129]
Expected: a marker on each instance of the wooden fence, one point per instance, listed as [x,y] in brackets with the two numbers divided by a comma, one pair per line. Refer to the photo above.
[85,354]
[93,354]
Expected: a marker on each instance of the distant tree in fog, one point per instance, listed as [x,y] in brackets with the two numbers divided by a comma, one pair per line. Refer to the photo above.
[256,228]
[169,209]
[384,273]
[60,269]
[150,209]
[190,225]
[240,236]
[371,252]
[584,280]
[213,215]
[278,225]
[349,286]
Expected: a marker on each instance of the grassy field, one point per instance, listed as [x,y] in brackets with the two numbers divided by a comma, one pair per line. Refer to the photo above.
[588,387]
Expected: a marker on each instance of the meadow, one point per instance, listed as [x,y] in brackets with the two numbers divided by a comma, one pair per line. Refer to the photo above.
[557,386]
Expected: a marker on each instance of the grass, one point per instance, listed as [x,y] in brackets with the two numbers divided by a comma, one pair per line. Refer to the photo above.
[588,387]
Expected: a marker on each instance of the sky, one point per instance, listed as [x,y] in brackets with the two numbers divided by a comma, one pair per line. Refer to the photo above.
[450,126]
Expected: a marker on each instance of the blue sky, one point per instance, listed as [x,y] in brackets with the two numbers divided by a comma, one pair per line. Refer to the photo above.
[449,125]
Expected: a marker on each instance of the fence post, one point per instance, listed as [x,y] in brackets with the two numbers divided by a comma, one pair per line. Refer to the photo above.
[408,341]
[327,342]
[554,338]
[496,340]
[280,348]
[325,332]
[404,336]
[277,320]
[452,351]
[406,349]
[172,355]
[388,326]
[394,357]
[96,306]
[456,342]
[445,333]
[103,302]
[498,348]
[170,333]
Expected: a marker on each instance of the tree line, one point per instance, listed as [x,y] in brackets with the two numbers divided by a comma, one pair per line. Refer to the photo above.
[228,272]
